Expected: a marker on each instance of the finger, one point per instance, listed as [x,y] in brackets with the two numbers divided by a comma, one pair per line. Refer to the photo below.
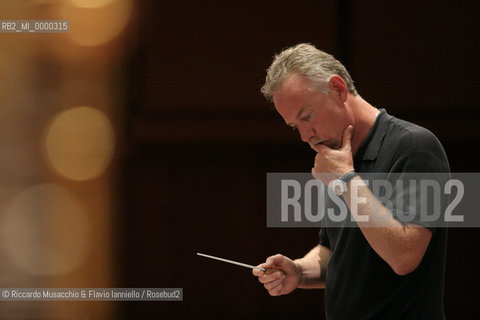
[272,284]
[270,271]
[316,173]
[320,148]
[347,137]
[315,147]
[276,260]
[277,291]
[258,272]
[266,278]
[319,161]
[274,289]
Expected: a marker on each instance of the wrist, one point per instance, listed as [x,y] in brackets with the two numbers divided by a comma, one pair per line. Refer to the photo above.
[347,176]
[340,185]
[299,271]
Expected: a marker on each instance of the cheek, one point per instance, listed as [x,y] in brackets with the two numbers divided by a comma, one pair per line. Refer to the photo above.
[342,120]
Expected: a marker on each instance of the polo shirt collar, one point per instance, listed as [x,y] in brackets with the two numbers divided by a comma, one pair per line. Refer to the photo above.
[372,144]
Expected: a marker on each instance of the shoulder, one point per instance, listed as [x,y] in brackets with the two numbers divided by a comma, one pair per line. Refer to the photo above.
[408,142]
[412,137]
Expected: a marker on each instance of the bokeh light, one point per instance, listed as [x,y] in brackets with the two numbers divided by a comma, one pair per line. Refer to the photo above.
[44,231]
[90,3]
[93,22]
[79,143]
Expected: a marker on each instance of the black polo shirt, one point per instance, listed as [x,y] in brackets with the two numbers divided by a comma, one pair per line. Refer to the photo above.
[359,283]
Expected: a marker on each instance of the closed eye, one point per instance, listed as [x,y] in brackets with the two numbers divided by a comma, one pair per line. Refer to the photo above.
[307,117]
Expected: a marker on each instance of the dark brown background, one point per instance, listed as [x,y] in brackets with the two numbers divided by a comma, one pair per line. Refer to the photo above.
[201,138]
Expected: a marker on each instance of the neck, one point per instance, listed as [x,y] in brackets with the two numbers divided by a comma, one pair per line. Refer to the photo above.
[364,114]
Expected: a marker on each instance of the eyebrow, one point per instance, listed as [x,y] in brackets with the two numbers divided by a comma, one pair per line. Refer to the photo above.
[298,115]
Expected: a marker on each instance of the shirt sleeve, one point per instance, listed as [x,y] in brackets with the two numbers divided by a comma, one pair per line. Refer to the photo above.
[417,193]
[324,241]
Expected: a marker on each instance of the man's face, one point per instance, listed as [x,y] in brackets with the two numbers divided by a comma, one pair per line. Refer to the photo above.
[320,118]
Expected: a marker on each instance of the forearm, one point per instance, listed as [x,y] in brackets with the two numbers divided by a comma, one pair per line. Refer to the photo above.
[401,246]
[312,268]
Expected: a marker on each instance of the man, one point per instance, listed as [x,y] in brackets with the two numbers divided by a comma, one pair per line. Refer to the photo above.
[392,270]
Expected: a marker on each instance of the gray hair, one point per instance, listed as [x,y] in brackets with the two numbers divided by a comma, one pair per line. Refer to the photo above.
[304,59]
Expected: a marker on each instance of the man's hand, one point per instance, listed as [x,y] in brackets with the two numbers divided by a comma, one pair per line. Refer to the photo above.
[333,163]
[278,283]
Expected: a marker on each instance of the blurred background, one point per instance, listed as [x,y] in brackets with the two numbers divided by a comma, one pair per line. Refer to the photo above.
[140,138]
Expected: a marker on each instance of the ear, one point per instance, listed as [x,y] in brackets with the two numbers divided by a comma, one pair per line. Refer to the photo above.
[338,88]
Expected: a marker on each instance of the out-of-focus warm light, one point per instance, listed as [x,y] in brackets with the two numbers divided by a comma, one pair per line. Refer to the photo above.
[79,143]
[45,231]
[90,3]
[94,22]
[46,1]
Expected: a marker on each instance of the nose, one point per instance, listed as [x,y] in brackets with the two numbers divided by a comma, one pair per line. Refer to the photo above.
[306,133]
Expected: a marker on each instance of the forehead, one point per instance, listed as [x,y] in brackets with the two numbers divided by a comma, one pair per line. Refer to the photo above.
[293,94]
[293,86]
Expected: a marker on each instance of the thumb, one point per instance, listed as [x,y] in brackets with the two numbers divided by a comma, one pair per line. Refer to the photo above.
[274,261]
[347,137]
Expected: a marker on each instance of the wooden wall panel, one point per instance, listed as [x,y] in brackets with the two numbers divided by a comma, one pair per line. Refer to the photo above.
[417,55]
[211,55]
